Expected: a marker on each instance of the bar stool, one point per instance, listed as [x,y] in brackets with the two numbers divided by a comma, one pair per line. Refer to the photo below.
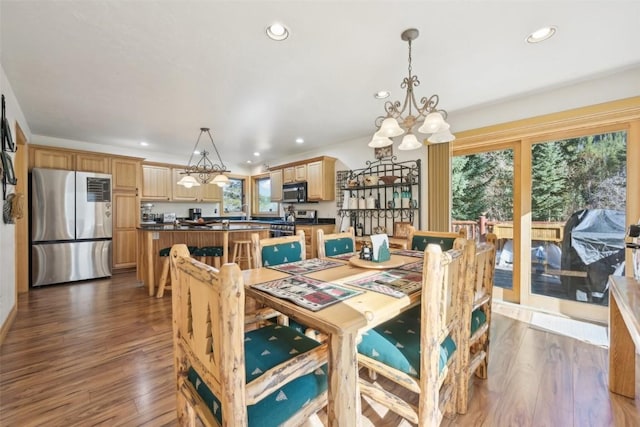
[164,276]
[205,252]
[242,252]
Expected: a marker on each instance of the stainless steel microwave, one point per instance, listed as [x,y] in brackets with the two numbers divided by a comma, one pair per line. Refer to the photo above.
[294,193]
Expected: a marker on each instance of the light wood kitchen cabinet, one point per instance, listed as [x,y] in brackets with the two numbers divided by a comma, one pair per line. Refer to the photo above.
[50,158]
[180,192]
[90,162]
[210,193]
[297,173]
[321,179]
[125,221]
[311,237]
[288,175]
[126,181]
[300,174]
[275,176]
[125,174]
[156,182]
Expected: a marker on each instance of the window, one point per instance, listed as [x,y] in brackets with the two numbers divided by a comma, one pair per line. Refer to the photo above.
[263,197]
[233,195]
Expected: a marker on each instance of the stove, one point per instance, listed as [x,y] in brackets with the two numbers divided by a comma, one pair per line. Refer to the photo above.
[282,228]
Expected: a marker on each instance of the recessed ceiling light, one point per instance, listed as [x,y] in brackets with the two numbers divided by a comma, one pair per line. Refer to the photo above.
[256,154]
[541,34]
[196,152]
[381,94]
[248,161]
[143,143]
[277,32]
[299,141]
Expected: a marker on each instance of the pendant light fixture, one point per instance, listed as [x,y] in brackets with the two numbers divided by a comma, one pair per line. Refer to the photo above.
[204,169]
[404,118]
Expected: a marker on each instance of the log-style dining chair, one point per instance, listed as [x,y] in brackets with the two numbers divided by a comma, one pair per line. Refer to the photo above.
[336,243]
[277,250]
[418,240]
[227,376]
[476,300]
[417,349]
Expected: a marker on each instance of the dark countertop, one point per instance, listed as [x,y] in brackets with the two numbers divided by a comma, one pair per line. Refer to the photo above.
[200,228]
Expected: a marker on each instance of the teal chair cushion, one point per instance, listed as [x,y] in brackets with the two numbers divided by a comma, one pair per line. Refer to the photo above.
[419,243]
[478,318]
[281,253]
[264,348]
[214,251]
[396,343]
[339,246]
[165,251]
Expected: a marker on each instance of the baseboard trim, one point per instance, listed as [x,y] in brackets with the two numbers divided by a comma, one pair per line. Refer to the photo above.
[4,330]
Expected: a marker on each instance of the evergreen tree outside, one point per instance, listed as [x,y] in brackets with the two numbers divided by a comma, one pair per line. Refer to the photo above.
[549,179]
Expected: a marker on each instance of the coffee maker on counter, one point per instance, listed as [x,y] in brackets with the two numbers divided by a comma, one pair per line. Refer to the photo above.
[195,214]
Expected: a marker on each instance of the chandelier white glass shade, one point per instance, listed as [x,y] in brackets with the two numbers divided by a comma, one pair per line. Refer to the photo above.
[402,118]
[204,169]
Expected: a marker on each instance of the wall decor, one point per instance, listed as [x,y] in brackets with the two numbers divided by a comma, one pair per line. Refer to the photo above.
[383,152]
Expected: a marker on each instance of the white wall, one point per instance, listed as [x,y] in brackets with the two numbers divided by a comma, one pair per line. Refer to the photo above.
[7,231]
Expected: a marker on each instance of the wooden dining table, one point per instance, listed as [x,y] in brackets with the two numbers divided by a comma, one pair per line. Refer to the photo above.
[342,322]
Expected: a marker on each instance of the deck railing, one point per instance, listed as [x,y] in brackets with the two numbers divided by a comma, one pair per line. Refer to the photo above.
[540,231]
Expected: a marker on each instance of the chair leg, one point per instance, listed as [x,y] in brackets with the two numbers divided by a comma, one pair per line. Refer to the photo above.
[164,276]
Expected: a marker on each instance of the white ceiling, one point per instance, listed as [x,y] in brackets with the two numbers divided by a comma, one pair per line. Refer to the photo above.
[121,72]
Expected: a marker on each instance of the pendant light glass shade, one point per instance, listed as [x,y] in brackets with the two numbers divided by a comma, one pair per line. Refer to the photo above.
[380,141]
[409,142]
[442,136]
[390,128]
[188,181]
[220,180]
[432,123]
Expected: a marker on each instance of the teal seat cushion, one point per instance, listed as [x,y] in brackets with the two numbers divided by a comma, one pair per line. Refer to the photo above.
[339,246]
[419,243]
[396,343]
[281,253]
[265,348]
[478,318]
[165,251]
[214,251]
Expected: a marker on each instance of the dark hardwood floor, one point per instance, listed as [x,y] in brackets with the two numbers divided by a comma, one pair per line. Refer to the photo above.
[100,353]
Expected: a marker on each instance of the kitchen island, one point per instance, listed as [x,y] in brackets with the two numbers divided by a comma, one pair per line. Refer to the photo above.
[153,238]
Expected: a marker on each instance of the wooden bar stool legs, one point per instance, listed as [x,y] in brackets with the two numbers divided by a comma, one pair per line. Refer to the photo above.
[242,253]
[164,276]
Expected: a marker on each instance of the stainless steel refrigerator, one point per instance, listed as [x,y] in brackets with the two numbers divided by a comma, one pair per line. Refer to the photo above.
[71,226]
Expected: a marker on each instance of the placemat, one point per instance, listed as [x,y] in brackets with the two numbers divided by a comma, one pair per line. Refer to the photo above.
[343,257]
[306,266]
[395,283]
[306,292]
[413,266]
[409,252]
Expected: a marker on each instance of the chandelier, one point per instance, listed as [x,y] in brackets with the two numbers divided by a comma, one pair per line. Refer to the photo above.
[205,169]
[424,114]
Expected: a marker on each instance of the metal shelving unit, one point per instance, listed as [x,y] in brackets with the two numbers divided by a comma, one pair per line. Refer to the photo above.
[380,194]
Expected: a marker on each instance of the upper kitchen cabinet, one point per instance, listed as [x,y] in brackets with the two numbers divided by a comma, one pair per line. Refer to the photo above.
[126,174]
[180,192]
[210,193]
[321,179]
[156,182]
[93,162]
[275,176]
[296,173]
[50,158]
